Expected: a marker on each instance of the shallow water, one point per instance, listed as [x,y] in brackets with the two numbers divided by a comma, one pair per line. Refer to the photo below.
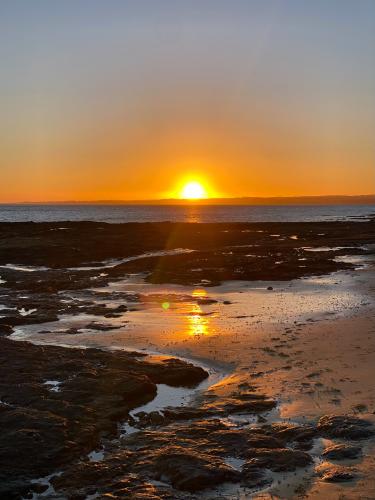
[169,320]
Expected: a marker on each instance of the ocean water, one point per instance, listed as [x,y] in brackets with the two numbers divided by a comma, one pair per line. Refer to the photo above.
[183,213]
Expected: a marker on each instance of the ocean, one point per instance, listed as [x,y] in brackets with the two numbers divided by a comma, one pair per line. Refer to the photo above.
[183,213]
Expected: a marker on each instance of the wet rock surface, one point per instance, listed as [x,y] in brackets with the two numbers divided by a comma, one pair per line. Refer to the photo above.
[172,453]
[221,251]
[51,427]
[194,455]
[44,429]
[279,459]
[343,426]
[334,474]
[186,469]
[342,452]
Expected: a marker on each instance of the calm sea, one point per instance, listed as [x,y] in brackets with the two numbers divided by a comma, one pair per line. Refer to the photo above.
[192,213]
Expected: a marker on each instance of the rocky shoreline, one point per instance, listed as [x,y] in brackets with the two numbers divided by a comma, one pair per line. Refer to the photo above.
[41,263]
[58,404]
[51,428]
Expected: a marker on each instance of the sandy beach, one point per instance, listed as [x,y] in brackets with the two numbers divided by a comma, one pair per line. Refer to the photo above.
[272,329]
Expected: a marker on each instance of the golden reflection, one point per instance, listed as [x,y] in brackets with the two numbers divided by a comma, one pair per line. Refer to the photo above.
[198,325]
[198,322]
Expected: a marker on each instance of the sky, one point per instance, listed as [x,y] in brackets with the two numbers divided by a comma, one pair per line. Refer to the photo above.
[130,99]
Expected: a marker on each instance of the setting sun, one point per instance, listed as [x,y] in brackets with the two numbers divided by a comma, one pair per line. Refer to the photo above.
[193,190]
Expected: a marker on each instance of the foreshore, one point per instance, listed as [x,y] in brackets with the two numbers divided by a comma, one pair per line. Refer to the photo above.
[288,310]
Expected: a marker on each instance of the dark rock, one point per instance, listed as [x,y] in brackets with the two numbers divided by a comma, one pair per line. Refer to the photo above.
[254,477]
[338,474]
[293,433]
[176,373]
[93,242]
[44,430]
[342,426]
[206,302]
[190,471]
[278,460]
[100,326]
[341,452]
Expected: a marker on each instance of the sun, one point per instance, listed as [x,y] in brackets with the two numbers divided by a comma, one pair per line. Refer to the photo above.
[193,190]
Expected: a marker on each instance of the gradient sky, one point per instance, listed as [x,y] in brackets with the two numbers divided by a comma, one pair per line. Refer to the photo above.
[121,99]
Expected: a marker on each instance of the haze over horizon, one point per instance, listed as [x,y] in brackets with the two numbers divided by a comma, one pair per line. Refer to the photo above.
[129,100]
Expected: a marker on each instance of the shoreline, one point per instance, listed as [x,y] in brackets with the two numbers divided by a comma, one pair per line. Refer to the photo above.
[251,405]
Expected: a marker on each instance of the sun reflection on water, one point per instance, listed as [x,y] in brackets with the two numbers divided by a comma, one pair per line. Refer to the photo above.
[198,323]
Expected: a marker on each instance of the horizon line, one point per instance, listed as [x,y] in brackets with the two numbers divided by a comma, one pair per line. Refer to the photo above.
[247,200]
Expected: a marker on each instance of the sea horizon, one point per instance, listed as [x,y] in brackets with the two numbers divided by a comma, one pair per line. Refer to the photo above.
[360,199]
[122,213]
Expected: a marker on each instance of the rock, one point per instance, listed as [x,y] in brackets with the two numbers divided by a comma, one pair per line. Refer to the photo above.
[254,477]
[259,403]
[270,288]
[206,302]
[278,460]
[191,471]
[121,308]
[156,418]
[39,488]
[100,326]
[153,418]
[176,373]
[93,242]
[341,452]
[71,331]
[42,431]
[342,426]
[338,474]
[5,329]
[300,435]
[258,440]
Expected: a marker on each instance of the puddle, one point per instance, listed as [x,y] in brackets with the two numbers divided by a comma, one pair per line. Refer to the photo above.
[324,249]
[235,463]
[26,269]
[96,456]
[53,385]
[115,262]
[26,312]
[45,481]
[360,261]
[168,396]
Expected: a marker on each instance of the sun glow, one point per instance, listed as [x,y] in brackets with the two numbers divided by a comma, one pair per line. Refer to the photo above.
[193,190]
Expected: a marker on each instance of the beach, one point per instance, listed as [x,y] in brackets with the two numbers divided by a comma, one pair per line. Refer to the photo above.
[176,360]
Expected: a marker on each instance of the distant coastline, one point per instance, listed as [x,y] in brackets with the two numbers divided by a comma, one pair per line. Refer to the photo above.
[368,199]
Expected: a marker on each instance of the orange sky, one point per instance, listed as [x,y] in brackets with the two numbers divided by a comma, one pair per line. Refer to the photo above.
[128,100]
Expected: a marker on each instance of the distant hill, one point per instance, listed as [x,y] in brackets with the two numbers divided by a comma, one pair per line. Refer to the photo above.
[368,199]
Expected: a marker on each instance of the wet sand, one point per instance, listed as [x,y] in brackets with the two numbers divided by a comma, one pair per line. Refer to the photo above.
[307,344]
